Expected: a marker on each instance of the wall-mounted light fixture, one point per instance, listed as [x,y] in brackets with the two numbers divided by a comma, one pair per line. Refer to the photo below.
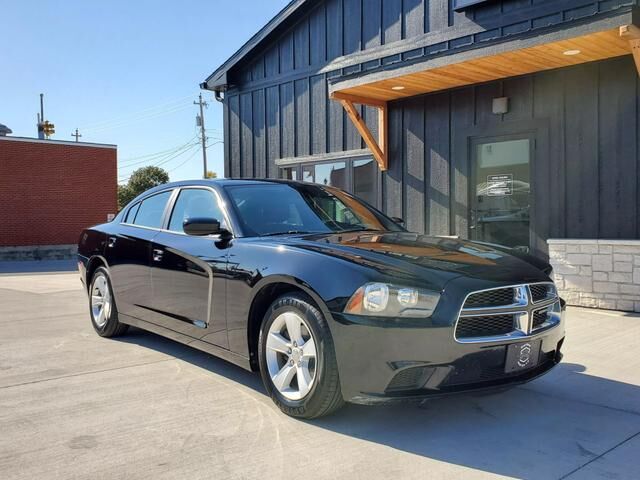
[500,105]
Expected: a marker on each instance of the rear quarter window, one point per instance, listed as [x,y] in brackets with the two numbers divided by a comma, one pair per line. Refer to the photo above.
[151,210]
[131,214]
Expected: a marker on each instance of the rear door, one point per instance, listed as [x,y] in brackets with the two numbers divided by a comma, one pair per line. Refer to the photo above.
[188,271]
[128,253]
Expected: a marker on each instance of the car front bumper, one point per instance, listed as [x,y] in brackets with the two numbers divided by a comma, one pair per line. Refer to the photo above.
[381,363]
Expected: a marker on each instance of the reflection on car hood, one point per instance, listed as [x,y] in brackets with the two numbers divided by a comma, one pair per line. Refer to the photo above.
[400,253]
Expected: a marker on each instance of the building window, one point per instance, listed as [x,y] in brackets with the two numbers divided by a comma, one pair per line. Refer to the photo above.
[365,180]
[330,174]
[289,173]
[360,176]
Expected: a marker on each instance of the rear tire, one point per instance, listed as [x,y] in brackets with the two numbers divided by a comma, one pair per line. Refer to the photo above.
[102,306]
[297,358]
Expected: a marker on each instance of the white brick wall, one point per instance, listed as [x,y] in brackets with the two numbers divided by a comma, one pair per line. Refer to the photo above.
[597,273]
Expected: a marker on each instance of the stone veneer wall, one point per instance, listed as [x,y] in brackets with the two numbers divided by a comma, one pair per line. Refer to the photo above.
[597,273]
[40,252]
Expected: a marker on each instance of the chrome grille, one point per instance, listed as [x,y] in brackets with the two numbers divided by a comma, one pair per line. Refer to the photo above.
[541,291]
[490,325]
[491,298]
[539,317]
[507,312]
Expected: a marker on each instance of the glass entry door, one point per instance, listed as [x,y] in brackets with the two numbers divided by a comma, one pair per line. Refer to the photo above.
[501,191]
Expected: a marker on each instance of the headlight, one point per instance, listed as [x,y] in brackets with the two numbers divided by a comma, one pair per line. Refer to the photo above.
[385,300]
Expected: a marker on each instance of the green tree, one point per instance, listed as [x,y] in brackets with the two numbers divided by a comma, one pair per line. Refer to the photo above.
[211,174]
[140,181]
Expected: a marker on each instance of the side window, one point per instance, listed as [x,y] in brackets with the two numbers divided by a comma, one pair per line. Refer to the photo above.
[131,214]
[151,210]
[194,203]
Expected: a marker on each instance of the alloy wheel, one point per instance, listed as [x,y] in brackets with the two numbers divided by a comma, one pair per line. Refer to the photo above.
[291,356]
[100,301]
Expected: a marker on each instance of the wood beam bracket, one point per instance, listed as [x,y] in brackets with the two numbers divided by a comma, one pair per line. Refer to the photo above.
[377,146]
[632,33]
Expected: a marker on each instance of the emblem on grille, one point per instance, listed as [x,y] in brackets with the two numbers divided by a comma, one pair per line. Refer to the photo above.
[524,356]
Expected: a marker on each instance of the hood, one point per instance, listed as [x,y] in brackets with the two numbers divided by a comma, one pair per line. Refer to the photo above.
[432,258]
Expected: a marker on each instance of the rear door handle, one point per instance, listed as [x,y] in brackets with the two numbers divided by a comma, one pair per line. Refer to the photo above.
[157,255]
[111,242]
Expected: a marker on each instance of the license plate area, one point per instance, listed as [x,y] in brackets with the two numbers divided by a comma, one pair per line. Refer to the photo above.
[522,356]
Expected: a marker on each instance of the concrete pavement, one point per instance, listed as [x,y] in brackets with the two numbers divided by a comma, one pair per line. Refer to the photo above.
[74,405]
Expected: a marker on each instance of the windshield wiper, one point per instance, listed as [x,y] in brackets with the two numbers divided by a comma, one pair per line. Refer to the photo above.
[359,229]
[288,232]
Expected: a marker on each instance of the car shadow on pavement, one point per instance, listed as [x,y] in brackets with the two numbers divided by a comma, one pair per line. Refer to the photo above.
[194,356]
[545,429]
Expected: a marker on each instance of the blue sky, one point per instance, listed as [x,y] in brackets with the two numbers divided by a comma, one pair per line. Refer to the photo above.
[123,72]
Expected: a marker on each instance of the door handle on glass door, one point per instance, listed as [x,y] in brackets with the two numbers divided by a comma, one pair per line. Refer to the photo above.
[157,255]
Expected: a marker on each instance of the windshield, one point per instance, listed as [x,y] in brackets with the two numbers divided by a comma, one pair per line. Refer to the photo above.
[281,208]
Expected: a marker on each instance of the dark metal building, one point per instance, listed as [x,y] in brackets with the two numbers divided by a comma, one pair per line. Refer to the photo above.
[508,121]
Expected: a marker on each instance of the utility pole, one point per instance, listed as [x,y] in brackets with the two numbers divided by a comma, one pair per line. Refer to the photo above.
[203,137]
[76,134]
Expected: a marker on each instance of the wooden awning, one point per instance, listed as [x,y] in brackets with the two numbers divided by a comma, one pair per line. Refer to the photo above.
[376,89]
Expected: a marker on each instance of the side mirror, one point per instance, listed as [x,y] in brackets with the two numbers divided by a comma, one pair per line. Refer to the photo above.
[201,227]
[398,220]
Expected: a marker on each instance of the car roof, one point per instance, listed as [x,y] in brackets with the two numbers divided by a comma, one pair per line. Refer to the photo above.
[217,182]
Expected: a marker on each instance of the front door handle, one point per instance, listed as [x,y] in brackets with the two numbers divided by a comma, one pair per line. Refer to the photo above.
[111,242]
[157,255]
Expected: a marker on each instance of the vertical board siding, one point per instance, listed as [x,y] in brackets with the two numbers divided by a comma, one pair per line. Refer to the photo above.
[414,161]
[334,29]
[287,120]
[234,134]
[437,134]
[413,18]
[301,45]
[462,117]
[260,133]
[372,23]
[318,114]
[392,20]
[318,36]
[352,17]
[581,151]
[551,197]
[273,129]
[227,142]
[617,150]
[246,121]
[392,179]
[302,117]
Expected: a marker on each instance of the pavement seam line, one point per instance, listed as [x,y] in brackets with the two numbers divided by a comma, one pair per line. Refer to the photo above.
[599,456]
[591,404]
[85,373]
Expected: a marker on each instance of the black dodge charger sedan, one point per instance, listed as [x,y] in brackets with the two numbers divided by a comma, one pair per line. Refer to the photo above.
[327,297]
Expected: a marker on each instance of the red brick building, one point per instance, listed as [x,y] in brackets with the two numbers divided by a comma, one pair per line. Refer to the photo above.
[50,190]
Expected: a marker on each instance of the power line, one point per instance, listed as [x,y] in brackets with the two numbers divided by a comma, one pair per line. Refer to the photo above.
[116,120]
[166,160]
[152,156]
[178,166]
[137,119]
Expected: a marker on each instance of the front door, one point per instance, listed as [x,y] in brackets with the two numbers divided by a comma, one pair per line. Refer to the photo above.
[188,272]
[501,192]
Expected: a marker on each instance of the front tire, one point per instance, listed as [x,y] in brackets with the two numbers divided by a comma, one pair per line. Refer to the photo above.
[102,306]
[297,358]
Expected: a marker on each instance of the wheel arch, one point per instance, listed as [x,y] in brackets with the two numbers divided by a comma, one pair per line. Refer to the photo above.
[266,291]
[93,264]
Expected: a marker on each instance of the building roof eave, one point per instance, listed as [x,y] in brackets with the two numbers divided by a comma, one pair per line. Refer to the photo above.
[217,81]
